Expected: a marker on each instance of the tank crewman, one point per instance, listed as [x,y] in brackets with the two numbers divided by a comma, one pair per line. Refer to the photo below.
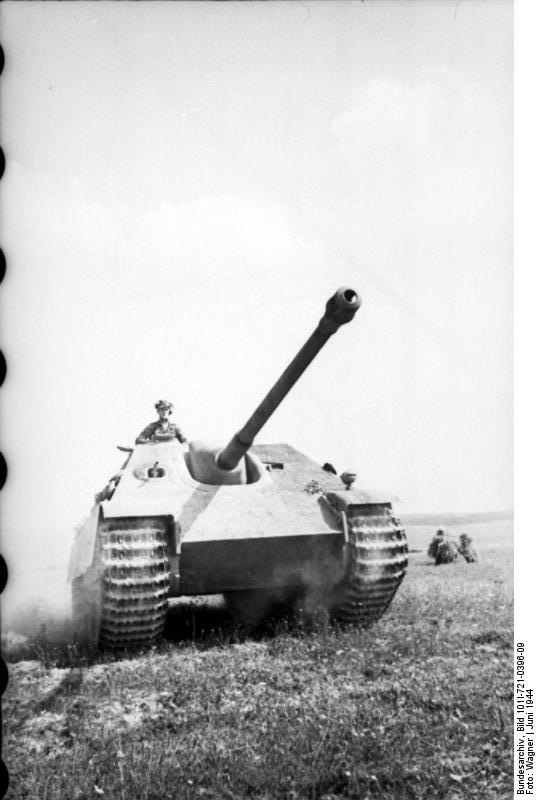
[162,430]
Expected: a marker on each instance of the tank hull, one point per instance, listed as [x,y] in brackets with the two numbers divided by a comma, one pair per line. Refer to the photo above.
[213,567]
[293,530]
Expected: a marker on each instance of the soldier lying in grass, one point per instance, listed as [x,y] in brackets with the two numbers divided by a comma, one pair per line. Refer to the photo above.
[466,548]
[447,552]
[438,539]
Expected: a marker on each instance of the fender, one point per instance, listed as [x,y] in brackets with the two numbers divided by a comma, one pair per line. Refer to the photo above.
[83,549]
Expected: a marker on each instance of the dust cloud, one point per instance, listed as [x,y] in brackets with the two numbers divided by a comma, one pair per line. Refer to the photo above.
[37,601]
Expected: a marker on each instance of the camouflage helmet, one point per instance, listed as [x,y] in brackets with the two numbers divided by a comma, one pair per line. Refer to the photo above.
[164,404]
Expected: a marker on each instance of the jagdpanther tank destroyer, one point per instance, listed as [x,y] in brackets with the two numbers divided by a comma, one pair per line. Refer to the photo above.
[244,520]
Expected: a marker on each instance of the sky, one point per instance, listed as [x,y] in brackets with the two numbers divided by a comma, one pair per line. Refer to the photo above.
[187,183]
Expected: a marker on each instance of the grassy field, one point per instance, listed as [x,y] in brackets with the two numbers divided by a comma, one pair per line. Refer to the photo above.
[420,706]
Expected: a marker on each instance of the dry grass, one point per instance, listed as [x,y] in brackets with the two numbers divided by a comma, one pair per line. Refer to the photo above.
[420,706]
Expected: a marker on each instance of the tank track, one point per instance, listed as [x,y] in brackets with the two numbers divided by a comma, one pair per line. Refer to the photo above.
[122,600]
[377,563]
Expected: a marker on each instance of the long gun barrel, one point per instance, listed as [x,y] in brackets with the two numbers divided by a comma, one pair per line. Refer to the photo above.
[340,309]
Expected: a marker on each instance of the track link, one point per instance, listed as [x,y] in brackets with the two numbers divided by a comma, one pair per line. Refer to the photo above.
[377,563]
